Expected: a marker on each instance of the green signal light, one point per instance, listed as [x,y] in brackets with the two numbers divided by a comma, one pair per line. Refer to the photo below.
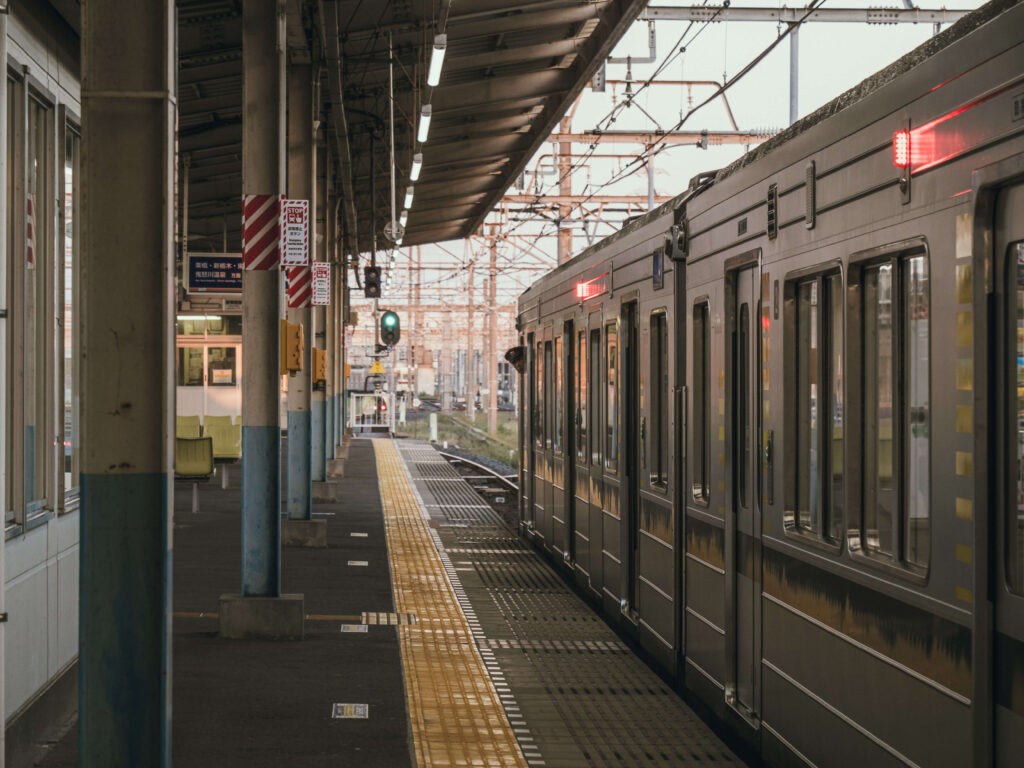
[390,319]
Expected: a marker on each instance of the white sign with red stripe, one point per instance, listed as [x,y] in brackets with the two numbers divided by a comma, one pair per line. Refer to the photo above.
[300,287]
[321,283]
[260,231]
[294,233]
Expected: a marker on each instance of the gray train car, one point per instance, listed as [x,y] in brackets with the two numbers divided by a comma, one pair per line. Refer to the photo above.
[806,377]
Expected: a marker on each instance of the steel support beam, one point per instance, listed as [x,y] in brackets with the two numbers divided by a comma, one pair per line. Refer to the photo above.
[127,358]
[790,15]
[670,139]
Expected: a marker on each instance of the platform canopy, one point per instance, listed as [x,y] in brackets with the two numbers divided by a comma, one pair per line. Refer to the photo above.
[511,70]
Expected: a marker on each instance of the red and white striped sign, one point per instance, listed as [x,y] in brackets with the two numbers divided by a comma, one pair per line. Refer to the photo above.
[321,283]
[294,233]
[30,231]
[300,287]
[260,231]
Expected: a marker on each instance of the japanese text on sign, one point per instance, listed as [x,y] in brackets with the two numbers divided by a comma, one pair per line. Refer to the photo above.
[295,233]
[321,283]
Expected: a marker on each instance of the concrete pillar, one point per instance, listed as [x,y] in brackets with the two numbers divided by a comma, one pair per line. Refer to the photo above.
[332,327]
[492,342]
[127,415]
[300,187]
[319,335]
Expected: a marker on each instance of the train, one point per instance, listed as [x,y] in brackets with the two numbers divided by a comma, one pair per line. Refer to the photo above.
[774,428]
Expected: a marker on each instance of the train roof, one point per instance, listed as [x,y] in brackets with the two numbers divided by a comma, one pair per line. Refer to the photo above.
[875,82]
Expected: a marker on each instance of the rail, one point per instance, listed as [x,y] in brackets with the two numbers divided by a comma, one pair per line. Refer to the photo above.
[494,473]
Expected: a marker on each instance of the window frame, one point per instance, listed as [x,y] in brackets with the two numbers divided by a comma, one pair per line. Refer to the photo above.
[70,129]
[660,432]
[700,402]
[896,563]
[557,394]
[613,384]
[826,536]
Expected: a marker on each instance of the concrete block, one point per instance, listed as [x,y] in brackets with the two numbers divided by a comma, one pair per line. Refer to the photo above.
[262,618]
[341,451]
[324,492]
[304,533]
[336,467]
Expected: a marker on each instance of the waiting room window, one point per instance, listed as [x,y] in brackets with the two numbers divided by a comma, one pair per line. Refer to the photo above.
[895,329]
[190,366]
[701,402]
[659,414]
[71,240]
[222,370]
[814,484]
[611,448]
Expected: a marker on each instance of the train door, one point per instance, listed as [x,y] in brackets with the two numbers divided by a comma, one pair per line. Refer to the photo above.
[568,395]
[1008,653]
[742,539]
[631,472]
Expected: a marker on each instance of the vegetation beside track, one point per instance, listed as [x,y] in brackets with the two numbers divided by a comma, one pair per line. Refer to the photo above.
[460,432]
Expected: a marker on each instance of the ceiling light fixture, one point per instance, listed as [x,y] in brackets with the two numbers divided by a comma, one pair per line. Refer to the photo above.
[404,218]
[437,59]
[408,198]
[425,115]
[417,166]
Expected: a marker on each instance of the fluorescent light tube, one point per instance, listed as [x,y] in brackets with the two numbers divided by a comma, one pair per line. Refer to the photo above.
[425,115]
[437,59]
[417,166]
[408,198]
[404,218]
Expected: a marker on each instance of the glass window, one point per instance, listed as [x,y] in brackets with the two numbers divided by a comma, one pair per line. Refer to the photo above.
[595,394]
[538,406]
[221,369]
[1015,511]
[14,137]
[72,149]
[815,484]
[548,396]
[896,409]
[743,400]
[190,366]
[701,401]
[557,395]
[36,304]
[611,448]
[581,396]
[659,431]
[191,325]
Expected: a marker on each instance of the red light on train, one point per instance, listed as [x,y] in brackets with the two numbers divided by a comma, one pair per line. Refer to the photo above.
[591,288]
[901,149]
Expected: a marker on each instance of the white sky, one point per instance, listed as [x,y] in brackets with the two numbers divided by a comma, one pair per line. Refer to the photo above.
[833,58]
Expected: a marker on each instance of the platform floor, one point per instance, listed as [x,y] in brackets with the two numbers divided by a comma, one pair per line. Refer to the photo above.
[465,648]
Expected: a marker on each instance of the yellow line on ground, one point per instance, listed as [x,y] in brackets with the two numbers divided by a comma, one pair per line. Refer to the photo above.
[309,616]
[457,718]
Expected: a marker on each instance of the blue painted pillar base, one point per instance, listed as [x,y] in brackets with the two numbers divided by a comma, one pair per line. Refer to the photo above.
[124,615]
[319,451]
[300,485]
[261,511]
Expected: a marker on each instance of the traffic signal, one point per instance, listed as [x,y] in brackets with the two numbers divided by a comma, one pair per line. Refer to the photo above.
[371,282]
[390,328]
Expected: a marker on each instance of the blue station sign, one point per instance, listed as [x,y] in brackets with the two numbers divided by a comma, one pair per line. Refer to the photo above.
[214,273]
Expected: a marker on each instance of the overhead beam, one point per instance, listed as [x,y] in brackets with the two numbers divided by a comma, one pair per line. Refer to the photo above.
[578,199]
[679,137]
[791,15]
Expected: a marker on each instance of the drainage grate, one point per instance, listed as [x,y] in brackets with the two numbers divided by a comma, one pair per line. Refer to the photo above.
[350,712]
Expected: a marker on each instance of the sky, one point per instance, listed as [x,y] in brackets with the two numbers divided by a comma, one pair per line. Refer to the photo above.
[832,58]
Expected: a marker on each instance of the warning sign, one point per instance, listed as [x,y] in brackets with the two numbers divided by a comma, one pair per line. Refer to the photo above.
[321,283]
[294,233]
[376,367]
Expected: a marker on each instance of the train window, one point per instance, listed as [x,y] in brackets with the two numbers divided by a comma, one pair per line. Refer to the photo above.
[611,448]
[701,401]
[595,394]
[895,328]
[557,396]
[659,429]
[538,405]
[814,486]
[1015,516]
[580,420]
[546,417]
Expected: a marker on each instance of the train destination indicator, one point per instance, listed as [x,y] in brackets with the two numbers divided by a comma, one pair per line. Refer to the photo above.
[591,288]
[214,273]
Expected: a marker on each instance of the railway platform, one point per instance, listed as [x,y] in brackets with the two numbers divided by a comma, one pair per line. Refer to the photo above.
[433,637]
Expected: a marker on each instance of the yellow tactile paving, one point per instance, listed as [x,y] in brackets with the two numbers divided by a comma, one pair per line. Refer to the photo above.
[457,718]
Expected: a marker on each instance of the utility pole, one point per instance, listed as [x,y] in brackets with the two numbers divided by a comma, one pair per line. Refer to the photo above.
[492,340]
[565,189]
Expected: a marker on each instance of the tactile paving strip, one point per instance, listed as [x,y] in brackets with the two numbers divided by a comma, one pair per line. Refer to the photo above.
[582,697]
[456,714]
